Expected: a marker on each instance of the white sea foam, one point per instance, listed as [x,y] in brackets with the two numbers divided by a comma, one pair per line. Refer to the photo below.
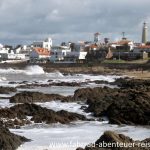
[84,78]
[29,70]
[5,103]
[71,107]
[34,70]
[78,134]
[2,79]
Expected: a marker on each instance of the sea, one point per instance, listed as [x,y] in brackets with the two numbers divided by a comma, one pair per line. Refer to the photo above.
[59,136]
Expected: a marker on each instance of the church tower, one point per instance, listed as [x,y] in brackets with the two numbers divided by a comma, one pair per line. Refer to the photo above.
[144,33]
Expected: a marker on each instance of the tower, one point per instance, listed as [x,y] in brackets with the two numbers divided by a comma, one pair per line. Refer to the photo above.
[96,37]
[144,33]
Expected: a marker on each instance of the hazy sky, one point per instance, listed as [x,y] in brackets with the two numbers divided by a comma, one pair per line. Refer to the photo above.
[24,21]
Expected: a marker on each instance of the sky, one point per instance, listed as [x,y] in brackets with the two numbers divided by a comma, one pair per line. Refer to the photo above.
[25,21]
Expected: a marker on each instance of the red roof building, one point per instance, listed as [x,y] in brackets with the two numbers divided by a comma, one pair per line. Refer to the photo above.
[38,53]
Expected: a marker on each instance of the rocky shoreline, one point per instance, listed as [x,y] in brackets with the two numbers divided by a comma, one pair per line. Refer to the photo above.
[128,104]
[140,71]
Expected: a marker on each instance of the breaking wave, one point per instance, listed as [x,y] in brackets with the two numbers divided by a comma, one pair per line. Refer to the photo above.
[33,70]
[30,70]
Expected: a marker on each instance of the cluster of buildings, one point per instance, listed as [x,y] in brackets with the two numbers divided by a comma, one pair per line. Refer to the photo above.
[43,51]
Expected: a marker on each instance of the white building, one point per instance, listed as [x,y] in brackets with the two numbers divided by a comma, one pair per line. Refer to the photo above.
[47,44]
[75,56]
[123,43]
[142,48]
[59,52]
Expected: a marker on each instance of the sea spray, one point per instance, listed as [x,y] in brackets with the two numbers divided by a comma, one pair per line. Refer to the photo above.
[34,70]
[29,70]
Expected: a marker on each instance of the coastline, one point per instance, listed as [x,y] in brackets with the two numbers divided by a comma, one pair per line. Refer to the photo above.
[131,70]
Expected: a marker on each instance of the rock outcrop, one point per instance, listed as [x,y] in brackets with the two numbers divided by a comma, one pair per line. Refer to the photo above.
[127,105]
[32,97]
[7,90]
[8,140]
[113,141]
[23,114]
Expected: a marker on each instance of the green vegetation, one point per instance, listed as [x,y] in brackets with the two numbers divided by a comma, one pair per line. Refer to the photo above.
[114,61]
[117,61]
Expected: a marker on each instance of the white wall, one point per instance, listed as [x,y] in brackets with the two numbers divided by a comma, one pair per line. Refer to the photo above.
[59,52]
[47,43]
[78,55]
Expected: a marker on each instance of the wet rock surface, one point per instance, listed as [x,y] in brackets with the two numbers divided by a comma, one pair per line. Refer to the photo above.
[50,83]
[130,107]
[137,84]
[7,90]
[113,138]
[19,115]
[31,97]
[8,140]
[97,98]
[127,105]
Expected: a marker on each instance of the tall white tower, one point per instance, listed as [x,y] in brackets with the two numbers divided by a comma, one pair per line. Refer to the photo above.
[144,33]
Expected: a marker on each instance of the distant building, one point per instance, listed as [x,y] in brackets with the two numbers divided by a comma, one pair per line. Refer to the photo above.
[75,56]
[96,37]
[142,48]
[77,47]
[59,52]
[124,44]
[106,40]
[130,55]
[144,33]
[39,53]
[47,44]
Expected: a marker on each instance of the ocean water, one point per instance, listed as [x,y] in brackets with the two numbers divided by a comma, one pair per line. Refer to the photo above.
[58,136]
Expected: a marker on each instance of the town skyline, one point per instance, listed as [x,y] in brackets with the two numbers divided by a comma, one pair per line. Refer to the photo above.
[26,21]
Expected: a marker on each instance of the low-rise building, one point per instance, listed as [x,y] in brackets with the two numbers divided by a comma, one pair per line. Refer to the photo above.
[130,55]
[142,48]
[47,44]
[59,52]
[39,53]
[75,56]
[123,44]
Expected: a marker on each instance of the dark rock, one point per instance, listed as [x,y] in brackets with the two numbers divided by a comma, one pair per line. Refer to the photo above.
[130,107]
[101,82]
[12,82]
[115,139]
[66,84]
[71,84]
[10,141]
[31,97]
[7,90]
[136,84]
[121,106]
[98,99]
[37,113]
